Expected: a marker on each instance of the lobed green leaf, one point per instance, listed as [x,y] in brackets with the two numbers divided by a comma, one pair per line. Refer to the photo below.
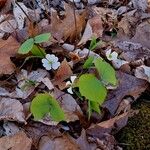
[44,104]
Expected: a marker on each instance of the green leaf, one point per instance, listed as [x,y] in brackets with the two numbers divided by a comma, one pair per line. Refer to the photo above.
[93,44]
[38,51]
[95,106]
[92,88]
[42,38]
[106,71]
[26,46]
[88,63]
[44,104]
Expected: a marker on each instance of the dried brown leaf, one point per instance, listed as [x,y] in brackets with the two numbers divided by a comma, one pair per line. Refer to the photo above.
[128,86]
[8,48]
[11,109]
[19,141]
[67,28]
[64,72]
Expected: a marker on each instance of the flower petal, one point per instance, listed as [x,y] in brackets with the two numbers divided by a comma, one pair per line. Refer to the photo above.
[108,53]
[48,67]
[51,57]
[44,61]
[55,65]
[114,55]
[70,90]
[72,78]
[68,83]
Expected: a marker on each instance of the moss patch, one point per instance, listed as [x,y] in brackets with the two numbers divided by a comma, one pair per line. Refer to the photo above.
[136,135]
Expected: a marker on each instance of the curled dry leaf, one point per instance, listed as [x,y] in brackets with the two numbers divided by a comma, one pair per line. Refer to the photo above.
[101,133]
[143,72]
[128,86]
[8,48]
[94,28]
[11,109]
[19,141]
[64,72]
[100,129]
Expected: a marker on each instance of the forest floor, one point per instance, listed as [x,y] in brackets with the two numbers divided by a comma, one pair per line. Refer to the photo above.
[74,74]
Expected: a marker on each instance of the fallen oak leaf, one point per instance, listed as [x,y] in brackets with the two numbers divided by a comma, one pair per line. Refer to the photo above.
[128,86]
[67,28]
[8,48]
[11,109]
[19,141]
[94,28]
[62,142]
[98,130]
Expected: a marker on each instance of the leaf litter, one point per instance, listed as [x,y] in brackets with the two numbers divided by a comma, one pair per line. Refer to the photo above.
[123,28]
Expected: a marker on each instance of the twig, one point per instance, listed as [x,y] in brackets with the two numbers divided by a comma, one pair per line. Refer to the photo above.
[75,21]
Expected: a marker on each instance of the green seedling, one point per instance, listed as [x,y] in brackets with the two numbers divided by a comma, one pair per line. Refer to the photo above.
[32,45]
[46,105]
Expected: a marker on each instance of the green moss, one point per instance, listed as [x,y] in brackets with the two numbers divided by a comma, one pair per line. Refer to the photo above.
[136,135]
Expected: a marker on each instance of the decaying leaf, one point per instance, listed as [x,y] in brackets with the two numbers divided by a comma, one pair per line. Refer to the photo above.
[11,109]
[8,48]
[143,72]
[94,28]
[128,86]
[2,3]
[100,129]
[64,72]
[68,104]
[8,26]
[10,128]
[62,142]
[27,82]
[66,28]
[132,51]
[143,31]
[19,141]
[140,4]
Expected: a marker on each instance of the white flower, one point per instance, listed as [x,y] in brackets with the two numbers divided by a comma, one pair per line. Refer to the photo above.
[68,83]
[117,63]
[50,62]
[111,56]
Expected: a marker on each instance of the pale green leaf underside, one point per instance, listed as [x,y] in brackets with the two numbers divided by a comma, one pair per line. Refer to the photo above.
[91,88]
[44,104]
[106,71]
[42,38]
[26,46]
